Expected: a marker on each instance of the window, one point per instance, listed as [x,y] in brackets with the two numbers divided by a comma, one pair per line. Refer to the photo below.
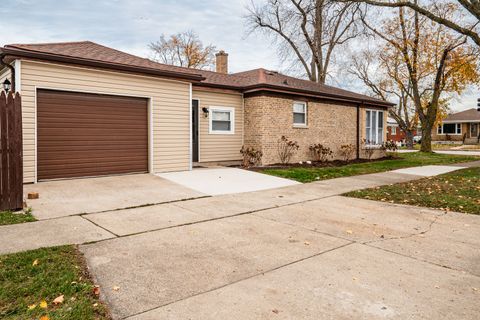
[222,120]
[449,128]
[394,131]
[299,114]
[374,127]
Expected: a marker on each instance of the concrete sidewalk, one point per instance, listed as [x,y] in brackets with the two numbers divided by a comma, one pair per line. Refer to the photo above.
[84,228]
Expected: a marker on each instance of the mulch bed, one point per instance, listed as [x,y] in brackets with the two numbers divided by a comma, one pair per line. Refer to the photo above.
[317,164]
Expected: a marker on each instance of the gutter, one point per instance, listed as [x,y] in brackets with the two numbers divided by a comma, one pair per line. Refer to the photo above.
[358,131]
[280,89]
[9,66]
[14,52]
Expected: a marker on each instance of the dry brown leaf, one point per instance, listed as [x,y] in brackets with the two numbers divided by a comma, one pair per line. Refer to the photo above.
[45,318]
[116,288]
[59,300]
[96,290]
[35,262]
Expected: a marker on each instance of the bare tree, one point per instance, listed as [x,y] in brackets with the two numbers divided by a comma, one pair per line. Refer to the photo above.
[310,29]
[385,76]
[183,49]
[467,26]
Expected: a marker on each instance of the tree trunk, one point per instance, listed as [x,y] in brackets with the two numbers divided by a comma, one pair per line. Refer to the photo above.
[426,145]
[409,139]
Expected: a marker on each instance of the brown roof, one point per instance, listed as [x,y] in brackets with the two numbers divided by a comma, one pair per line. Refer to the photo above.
[467,115]
[93,54]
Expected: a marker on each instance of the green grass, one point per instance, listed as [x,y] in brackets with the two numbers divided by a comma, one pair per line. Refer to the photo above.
[8,217]
[456,191]
[60,271]
[404,160]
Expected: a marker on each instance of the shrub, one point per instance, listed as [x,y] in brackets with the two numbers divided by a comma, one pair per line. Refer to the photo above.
[390,146]
[251,156]
[346,151]
[285,149]
[320,153]
[368,149]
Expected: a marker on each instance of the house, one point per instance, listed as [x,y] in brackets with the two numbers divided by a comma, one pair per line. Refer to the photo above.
[394,133]
[90,110]
[462,126]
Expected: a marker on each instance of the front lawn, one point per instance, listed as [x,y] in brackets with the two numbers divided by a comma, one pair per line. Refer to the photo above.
[8,217]
[403,160]
[48,284]
[456,191]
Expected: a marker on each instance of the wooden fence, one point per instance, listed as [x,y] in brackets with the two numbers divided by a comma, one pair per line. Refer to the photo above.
[11,164]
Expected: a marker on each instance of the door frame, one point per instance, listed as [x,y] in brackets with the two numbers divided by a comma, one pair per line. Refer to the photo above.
[471,124]
[195,147]
[149,119]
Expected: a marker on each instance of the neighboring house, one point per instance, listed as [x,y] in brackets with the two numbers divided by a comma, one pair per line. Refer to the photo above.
[90,110]
[394,133]
[460,125]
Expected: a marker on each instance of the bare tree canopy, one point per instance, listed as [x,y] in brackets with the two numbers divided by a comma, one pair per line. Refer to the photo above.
[468,26]
[385,76]
[183,49]
[308,29]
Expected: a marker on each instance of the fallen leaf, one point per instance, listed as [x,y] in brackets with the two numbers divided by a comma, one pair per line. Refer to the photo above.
[275,311]
[43,304]
[45,318]
[95,304]
[32,306]
[96,290]
[116,288]
[58,300]
[35,262]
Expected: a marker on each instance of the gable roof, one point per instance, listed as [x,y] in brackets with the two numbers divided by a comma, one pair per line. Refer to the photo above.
[464,116]
[92,54]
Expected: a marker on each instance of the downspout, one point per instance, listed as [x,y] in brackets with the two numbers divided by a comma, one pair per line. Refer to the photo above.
[358,131]
[12,71]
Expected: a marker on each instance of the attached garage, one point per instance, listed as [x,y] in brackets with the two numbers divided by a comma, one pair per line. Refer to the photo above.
[83,134]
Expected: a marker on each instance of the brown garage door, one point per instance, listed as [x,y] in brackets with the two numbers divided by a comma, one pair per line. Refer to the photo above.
[81,135]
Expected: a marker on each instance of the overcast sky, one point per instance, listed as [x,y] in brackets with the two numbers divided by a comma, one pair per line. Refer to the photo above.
[131,25]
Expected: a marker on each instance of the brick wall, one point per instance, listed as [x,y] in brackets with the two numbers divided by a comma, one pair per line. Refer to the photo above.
[267,118]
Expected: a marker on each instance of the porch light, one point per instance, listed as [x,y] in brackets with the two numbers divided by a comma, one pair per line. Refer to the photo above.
[205,111]
[7,85]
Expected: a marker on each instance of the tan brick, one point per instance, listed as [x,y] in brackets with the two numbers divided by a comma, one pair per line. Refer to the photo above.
[267,118]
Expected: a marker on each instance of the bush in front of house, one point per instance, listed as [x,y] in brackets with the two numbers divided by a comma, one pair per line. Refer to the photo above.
[251,156]
[390,146]
[320,152]
[346,151]
[368,149]
[286,148]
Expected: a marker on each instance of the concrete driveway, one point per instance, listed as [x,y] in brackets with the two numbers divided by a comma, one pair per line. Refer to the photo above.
[299,252]
[216,181]
[78,196]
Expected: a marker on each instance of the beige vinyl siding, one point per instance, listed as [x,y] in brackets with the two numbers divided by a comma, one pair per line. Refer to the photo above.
[219,147]
[170,101]
[4,74]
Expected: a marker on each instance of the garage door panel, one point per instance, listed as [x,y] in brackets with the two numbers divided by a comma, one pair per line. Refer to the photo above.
[90,135]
